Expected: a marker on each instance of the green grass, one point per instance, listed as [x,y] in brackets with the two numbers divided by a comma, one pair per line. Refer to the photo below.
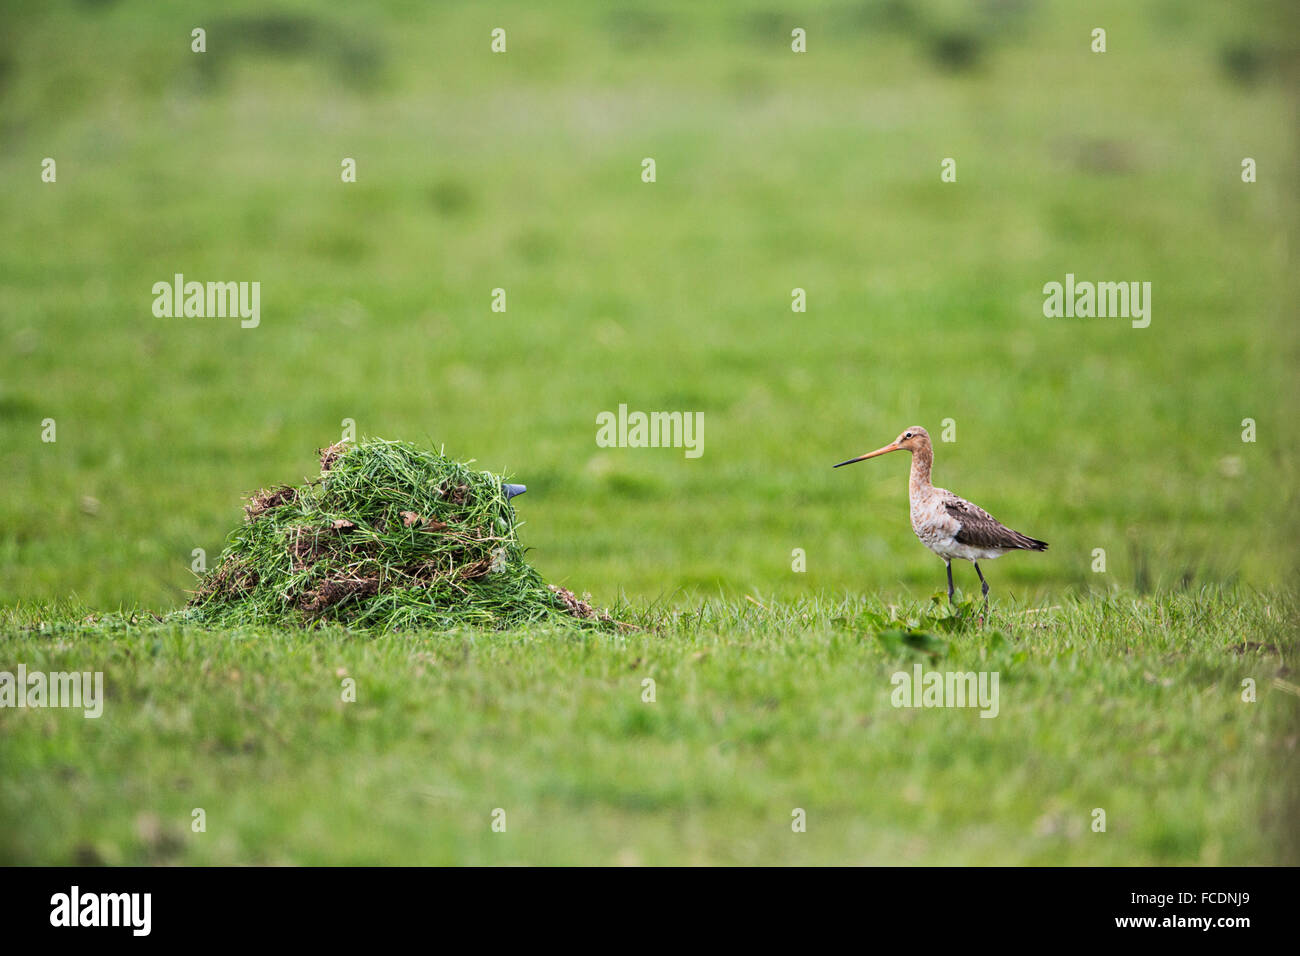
[389,536]
[1130,706]
[775,171]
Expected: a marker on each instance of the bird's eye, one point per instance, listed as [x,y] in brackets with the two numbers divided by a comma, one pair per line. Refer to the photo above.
[908,435]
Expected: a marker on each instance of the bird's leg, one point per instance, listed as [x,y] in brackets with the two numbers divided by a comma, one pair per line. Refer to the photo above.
[984,583]
[950,600]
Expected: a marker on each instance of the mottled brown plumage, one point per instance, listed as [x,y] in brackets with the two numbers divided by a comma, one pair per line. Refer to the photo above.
[981,530]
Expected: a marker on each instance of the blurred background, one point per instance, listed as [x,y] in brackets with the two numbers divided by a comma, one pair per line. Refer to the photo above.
[775,170]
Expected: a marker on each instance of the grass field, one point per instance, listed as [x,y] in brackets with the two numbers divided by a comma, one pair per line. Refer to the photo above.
[1133,708]
[1121,688]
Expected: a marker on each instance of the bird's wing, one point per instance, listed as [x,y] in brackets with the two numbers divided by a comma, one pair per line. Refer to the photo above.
[979,529]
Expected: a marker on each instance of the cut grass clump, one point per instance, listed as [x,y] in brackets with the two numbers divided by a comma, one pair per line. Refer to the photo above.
[390,536]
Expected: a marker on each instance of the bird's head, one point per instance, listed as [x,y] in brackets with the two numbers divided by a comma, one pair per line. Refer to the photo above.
[912,439]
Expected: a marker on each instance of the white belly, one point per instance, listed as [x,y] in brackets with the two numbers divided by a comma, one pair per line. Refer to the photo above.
[949,549]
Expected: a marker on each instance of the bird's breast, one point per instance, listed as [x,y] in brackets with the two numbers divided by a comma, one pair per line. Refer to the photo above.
[931,522]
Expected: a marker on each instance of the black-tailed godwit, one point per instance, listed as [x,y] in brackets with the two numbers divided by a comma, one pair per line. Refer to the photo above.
[950,526]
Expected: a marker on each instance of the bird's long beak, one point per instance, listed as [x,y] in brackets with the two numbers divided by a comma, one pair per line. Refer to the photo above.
[892,446]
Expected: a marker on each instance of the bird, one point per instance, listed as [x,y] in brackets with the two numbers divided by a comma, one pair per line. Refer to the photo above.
[950,526]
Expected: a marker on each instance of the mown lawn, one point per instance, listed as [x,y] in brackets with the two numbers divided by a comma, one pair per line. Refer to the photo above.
[1131,706]
[775,171]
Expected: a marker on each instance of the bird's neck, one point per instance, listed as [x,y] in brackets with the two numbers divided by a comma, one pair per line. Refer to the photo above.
[922,459]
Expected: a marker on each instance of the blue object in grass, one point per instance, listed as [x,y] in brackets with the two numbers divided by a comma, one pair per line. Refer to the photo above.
[512,490]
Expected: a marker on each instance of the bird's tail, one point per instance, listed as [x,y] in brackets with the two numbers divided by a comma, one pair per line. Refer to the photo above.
[1033,544]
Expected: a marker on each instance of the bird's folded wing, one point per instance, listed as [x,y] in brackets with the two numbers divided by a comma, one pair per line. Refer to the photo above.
[979,529]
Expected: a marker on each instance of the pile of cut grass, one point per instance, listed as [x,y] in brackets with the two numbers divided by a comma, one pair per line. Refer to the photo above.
[391,537]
